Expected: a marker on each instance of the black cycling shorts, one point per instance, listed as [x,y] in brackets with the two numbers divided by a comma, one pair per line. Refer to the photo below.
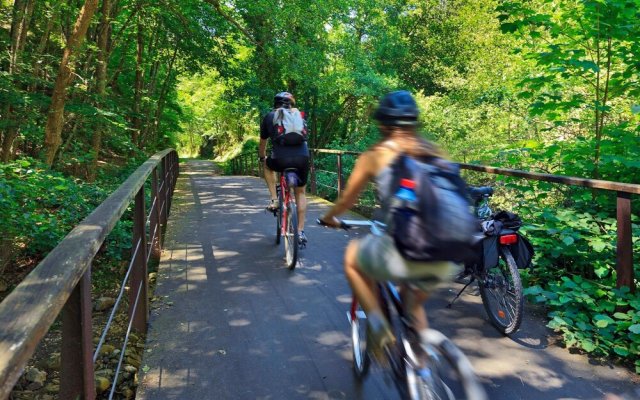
[301,163]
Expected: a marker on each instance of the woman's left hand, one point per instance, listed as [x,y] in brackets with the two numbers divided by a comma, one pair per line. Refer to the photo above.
[332,221]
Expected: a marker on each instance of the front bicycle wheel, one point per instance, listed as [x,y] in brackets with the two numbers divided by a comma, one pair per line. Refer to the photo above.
[291,235]
[501,292]
[447,374]
[358,322]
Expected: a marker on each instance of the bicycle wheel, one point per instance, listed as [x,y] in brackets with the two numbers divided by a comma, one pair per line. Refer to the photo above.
[501,292]
[279,218]
[448,374]
[291,235]
[361,359]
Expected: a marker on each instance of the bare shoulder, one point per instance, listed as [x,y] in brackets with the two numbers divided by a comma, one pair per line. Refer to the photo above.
[378,157]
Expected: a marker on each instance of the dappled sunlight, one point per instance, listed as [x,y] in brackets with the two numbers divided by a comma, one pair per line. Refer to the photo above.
[345,298]
[333,338]
[239,322]
[295,317]
[303,280]
[245,289]
[222,254]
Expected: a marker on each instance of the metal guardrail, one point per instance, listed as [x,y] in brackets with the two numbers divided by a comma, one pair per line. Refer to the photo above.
[624,246]
[62,283]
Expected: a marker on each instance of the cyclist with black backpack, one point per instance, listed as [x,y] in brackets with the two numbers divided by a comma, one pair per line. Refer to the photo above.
[285,128]
[424,207]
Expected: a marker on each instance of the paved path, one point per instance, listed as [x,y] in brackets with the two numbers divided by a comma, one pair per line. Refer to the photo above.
[234,323]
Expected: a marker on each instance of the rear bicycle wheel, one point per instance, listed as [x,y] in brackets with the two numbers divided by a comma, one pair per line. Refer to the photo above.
[291,235]
[361,359]
[501,292]
[278,215]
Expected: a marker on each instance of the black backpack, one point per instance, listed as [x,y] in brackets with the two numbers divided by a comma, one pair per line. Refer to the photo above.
[438,224]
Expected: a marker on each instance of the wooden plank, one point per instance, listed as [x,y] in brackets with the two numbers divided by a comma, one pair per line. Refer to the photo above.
[565,180]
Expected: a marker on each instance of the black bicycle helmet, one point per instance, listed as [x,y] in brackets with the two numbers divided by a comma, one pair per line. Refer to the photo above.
[397,108]
[284,99]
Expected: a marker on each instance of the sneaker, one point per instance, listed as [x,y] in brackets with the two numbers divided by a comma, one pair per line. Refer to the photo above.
[379,337]
[302,239]
[273,206]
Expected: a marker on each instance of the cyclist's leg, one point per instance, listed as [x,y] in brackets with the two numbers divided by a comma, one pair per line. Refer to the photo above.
[414,304]
[303,175]
[270,168]
[301,201]
[379,333]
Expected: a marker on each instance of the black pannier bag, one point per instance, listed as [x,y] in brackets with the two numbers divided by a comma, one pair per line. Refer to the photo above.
[504,222]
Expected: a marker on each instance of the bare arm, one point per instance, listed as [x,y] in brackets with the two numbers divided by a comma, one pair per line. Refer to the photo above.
[360,176]
[262,148]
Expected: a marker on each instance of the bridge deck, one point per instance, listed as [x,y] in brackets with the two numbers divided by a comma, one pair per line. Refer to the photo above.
[232,322]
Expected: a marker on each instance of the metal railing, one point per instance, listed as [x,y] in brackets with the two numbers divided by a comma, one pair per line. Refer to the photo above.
[624,246]
[62,283]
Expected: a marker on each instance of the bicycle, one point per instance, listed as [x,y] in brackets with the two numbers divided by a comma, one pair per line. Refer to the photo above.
[418,369]
[287,216]
[498,279]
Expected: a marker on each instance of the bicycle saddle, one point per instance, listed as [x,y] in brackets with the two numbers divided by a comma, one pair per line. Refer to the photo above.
[476,193]
[291,176]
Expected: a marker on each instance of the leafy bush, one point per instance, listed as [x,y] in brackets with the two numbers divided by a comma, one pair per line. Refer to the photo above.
[39,207]
[592,317]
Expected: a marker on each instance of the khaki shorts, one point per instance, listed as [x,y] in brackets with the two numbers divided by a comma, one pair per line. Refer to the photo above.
[379,258]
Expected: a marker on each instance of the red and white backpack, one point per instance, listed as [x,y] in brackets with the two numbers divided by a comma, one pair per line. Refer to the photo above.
[290,126]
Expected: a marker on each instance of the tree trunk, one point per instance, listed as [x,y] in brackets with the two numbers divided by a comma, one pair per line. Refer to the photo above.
[104,30]
[22,12]
[55,115]
[163,93]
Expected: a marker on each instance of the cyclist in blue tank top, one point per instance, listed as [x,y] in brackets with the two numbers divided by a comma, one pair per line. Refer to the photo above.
[282,157]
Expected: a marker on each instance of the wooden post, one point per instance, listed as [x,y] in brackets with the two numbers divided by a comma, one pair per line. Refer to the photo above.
[624,249]
[76,363]
[139,269]
[339,174]
[313,186]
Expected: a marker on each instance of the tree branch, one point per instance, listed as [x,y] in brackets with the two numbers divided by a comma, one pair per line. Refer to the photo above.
[247,34]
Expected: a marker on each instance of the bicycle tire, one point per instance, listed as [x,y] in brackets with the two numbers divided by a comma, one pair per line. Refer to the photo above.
[279,218]
[360,356]
[291,235]
[449,368]
[501,292]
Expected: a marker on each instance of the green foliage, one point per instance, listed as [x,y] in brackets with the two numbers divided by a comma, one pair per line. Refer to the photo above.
[39,207]
[592,317]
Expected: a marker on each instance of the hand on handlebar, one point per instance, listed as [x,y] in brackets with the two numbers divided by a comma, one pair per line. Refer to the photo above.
[332,222]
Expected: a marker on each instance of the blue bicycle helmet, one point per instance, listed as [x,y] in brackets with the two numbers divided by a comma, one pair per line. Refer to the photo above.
[398,109]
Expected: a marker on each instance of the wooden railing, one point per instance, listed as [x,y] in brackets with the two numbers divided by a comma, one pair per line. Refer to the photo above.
[247,164]
[62,283]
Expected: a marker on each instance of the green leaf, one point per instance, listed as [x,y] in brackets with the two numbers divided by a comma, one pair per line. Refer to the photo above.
[602,321]
[598,245]
[568,240]
[623,316]
[635,108]
[601,272]
[635,328]
[588,346]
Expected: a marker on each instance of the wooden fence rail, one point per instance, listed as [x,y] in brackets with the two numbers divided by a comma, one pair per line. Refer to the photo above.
[62,283]
[624,246]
